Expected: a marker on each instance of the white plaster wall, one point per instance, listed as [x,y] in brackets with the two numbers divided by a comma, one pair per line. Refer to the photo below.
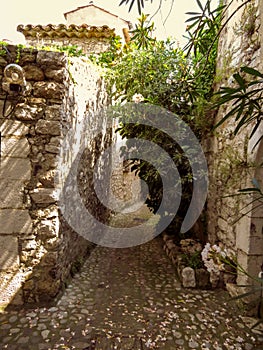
[96,17]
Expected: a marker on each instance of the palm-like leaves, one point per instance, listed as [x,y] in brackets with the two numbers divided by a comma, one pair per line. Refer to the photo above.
[246,98]
[142,34]
[140,4]
[203,26]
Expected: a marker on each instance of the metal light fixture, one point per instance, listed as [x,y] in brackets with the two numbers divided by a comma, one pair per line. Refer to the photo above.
[14,79]
[14,84]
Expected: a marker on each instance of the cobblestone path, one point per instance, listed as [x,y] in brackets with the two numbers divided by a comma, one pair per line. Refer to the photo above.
[129,299]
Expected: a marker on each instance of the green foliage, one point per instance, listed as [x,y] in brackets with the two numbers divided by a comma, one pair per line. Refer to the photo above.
[256,201]
[142,34]
[255,290]
[106,59]
[70,50]
[202,43]
[247,23]
[203,28]
[19,49]
[194,260]
[167,77]
[168,87]
[3,44]
[140,4]
[245,99]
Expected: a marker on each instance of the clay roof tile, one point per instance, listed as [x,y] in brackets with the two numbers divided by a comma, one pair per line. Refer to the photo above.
[62,30]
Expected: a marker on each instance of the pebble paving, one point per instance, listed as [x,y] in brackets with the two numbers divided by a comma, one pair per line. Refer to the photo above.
[130,299]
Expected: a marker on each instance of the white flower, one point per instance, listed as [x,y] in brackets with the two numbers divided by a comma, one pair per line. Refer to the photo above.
[137,98]
[170,79]
[212,257]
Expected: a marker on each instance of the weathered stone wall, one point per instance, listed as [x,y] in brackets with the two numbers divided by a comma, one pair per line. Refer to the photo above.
[87,45]
[232,164]
[38,247]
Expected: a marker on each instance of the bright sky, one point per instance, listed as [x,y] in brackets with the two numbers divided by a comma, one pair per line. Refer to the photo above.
[16,12]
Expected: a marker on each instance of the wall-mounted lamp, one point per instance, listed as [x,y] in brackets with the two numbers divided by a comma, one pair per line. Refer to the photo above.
[15,86]
[14,82]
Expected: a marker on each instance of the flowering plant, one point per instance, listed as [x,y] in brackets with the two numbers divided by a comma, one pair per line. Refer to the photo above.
[215,258]
[137,98]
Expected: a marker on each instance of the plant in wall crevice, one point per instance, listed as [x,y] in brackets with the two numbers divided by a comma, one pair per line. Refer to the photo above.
[244,100]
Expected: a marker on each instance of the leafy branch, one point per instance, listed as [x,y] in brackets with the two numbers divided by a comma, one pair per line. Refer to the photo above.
[140,4]
[142,34]
[205,23]
[246,98]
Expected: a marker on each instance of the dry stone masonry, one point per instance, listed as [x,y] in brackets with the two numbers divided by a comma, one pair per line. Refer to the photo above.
[85,37]
[39,249]
[232,163]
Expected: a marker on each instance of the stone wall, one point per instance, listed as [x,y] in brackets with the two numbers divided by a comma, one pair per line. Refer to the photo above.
[87,45]
[232,164]
[38,247]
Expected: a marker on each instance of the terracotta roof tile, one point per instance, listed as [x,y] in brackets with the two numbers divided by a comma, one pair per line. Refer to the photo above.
[65,31]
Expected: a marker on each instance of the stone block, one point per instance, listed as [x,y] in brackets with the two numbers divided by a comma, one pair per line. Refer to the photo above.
[53,113]
[9,258]
[48,228]
[48,90]
[34,101]
[27,58]
[13,128]
[243,235]
[14,147]
[251,264]
[33,72]
[190,246]
[48,179]
[51,59]
[11,193]
[48,127]
[52,148]
[3,62]
[44,196]
[56,141]
[46,213]
[243,240]
[26,113]
[202,278]
[50,259]
[15,169]
[188,277]
[55,74]
[15,221]
[233,289]
[223,225]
